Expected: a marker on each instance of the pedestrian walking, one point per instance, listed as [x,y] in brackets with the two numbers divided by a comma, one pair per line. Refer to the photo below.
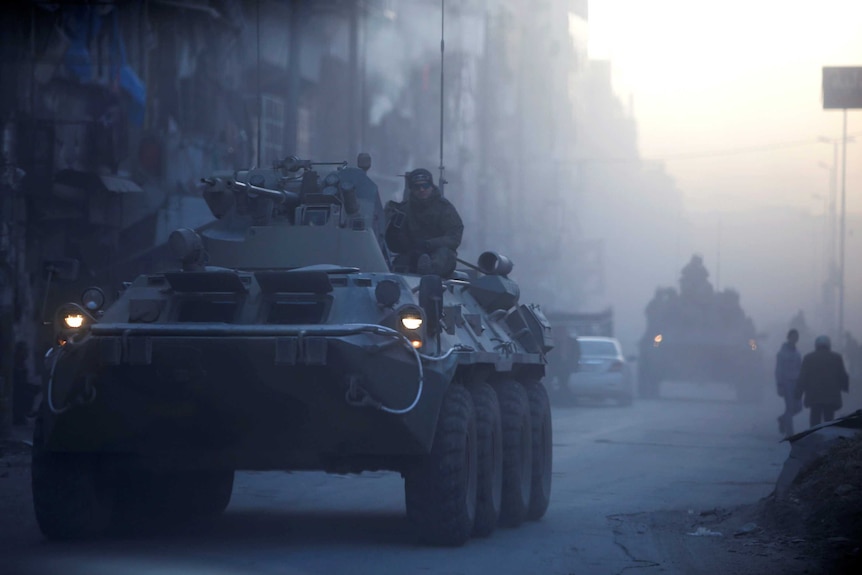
[822,378]
[788,362]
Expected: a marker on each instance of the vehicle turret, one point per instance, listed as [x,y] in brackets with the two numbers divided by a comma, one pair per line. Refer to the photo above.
[334,217]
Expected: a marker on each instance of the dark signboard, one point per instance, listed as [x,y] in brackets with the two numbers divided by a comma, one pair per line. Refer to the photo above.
[842,87]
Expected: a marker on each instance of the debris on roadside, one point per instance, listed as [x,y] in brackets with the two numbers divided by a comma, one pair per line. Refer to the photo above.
[705,532]
[746,529]
[817,503]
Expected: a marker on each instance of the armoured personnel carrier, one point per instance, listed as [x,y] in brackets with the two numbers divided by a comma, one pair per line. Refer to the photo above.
[700,335]
[284,342]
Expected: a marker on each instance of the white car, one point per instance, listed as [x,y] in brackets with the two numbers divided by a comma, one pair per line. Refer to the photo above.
[603,371]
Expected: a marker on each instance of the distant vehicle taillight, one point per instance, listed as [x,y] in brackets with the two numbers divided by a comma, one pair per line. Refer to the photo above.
[617,365]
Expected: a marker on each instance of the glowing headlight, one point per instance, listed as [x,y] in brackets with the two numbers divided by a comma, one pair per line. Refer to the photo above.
[411,321]
[73,321]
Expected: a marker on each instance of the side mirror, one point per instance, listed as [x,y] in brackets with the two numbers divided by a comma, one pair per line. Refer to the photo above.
[431,301]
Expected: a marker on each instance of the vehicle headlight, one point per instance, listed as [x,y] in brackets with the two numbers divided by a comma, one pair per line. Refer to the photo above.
[93,299]
[411,321]
[73,320]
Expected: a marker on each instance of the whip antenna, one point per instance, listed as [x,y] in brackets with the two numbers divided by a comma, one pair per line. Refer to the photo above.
[442,45]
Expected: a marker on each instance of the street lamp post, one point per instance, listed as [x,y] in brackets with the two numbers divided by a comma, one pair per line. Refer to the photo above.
[841,236]
[842,89]
[836,273]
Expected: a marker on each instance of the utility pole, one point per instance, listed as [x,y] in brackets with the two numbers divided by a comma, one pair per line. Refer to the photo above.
[842,89]
[841,236]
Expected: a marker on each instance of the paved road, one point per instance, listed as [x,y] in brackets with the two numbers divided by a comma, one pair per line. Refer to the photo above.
[696,450]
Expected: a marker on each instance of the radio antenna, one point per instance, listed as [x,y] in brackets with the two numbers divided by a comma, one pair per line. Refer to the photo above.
[259,93]
[442,46]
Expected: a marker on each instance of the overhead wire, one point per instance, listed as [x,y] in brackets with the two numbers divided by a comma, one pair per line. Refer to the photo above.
[713,153]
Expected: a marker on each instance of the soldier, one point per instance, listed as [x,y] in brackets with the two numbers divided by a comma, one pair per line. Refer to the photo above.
[822,378]
[425,229]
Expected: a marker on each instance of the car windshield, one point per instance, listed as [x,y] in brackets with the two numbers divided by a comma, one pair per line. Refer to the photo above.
[600,348]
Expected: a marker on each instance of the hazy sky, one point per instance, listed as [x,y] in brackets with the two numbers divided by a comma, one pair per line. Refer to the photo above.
[714,79]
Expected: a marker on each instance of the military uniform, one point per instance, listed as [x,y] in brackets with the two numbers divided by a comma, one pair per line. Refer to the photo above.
[425,233]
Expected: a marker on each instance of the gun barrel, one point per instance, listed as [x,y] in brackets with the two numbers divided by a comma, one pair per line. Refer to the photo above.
[280,196]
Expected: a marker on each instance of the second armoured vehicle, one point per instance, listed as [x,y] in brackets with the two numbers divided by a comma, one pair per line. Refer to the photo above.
[699,335]
[284,342]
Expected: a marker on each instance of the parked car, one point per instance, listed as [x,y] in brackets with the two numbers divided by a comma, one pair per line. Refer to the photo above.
[603,371]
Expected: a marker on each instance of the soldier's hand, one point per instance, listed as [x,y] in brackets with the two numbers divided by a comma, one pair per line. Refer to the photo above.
[394,213]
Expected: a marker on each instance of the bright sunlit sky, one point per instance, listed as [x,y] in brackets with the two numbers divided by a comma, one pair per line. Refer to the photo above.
[709,78]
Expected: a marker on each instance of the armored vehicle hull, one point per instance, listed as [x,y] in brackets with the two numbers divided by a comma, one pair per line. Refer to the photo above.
[682,357]
[282,364]
[699,335]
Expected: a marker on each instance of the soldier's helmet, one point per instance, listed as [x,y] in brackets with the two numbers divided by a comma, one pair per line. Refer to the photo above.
[419,176]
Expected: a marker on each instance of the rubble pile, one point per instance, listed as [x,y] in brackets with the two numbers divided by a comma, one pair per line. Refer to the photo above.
[822,510]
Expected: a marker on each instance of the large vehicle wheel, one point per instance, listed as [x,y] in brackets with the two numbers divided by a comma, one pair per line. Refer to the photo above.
[148,499]
[542,460]
[73,493]
[517,452]
[489,432]
[440,489]
[201,491]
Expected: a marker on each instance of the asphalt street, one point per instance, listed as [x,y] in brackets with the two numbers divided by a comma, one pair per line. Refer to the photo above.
[695,449]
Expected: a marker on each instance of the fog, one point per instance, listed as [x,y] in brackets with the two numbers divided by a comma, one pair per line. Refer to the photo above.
[728,100]
[599,145]
[665,141]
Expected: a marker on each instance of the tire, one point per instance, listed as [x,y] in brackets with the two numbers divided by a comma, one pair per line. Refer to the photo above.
[542,459]
[148,501]
[73,493]
[517,452]
[440,489]
[148,498]
[202,491]
[489,433]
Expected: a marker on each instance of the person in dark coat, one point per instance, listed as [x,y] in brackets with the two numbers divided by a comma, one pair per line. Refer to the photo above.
[822,378]
[788,362]
[425,229]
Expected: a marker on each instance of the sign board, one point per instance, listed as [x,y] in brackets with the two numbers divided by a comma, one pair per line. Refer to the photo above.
[842,87]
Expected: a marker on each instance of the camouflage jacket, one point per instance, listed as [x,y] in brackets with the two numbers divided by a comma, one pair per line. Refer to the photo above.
[423,227]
